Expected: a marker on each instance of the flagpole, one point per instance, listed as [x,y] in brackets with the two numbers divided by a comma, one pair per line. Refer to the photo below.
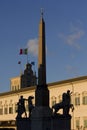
[20,69]
[27,55]
[27,58]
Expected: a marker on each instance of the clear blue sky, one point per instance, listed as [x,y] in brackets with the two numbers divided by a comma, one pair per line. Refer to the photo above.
[66,37]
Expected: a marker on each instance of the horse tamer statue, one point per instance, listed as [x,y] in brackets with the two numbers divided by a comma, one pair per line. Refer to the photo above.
[65,104]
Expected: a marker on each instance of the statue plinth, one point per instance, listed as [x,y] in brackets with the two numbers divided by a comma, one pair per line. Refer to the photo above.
[41,118]
[42,113]
[23,123]
[61,122]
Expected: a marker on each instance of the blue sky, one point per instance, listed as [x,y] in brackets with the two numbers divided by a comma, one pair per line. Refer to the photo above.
[66,37]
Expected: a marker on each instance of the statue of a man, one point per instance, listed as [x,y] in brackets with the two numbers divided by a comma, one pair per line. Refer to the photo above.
[21,107]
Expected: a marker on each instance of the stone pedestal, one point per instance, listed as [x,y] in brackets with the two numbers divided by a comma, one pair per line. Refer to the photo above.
[41,118]
[23,124]
[61,122]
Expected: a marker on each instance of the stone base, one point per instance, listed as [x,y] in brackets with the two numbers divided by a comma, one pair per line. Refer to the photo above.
[61,122]
[42,119]
[23,124]
[39,112]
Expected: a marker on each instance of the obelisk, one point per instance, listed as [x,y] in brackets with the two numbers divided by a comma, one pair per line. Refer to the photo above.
[42,92]
[41,114]
[42,53]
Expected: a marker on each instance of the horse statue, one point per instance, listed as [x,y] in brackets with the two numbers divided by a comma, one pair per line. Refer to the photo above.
[65,104]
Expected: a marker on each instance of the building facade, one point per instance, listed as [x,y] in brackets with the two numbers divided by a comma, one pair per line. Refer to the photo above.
[78,87]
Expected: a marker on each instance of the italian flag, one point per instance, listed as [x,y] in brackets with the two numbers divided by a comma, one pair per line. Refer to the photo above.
[23,51]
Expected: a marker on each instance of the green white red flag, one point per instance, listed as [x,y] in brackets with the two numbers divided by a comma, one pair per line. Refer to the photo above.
[23,51]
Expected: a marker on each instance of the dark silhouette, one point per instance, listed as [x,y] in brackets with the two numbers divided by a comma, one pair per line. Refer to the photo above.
[21,107]
[30,104]
[65,104]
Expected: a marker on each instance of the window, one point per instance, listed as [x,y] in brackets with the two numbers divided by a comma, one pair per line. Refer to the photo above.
[77,99]
[84,98]
[53,100]
[10,109]
[1,110]
[18,87]
[6,110]
[85,123]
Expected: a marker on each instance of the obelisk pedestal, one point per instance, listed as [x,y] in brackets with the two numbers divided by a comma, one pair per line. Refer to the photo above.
[41,118]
